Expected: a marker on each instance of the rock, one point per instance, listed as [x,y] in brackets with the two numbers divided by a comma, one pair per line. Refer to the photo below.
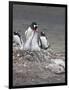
[55,68]
[59,62]
[18,55]
[24,65]
[28,57]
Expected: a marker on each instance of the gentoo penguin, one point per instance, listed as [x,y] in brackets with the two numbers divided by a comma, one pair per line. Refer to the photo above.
[43,43]
[17,39]
[28,32]
[31,35]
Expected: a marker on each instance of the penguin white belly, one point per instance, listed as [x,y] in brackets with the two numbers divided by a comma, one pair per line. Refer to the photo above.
[28,33]
[44,42]
[16,39]
[34,44]
[27,45]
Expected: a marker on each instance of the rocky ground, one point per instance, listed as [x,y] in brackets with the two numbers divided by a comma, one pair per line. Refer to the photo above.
[44,67]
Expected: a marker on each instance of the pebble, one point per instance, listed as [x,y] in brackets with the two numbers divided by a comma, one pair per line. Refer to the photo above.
[18,55]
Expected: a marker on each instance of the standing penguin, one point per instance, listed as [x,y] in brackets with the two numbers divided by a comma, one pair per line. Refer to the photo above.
[31,35]
[31,28]
[43,43]
[17,39]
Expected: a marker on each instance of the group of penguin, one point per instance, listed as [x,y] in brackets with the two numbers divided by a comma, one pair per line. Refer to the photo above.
[33,41]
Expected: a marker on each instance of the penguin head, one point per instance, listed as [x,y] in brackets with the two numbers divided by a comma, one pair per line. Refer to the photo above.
[42,33]
[17,33]
[34,26]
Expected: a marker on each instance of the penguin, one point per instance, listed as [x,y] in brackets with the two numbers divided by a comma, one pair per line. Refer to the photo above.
[17,40]
[31,28]
[31,35]
[43,42]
